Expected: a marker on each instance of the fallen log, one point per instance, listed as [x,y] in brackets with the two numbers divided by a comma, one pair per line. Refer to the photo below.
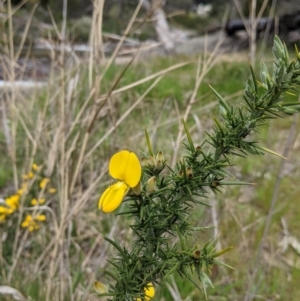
[286,23]
[236,25]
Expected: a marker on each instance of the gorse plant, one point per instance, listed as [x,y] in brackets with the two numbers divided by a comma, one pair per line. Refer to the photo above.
[160,203]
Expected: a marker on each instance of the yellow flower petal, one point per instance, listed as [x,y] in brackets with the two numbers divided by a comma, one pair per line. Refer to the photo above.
[6,210]
[52,190]
[20,191]
[3,210]
[125,166]
[149,292]
[41,201]
[41,217]
[13,202]
[27,221]
[112,197]
[34,202]
[30,222]
[44,182]
[33,226]
[35,166]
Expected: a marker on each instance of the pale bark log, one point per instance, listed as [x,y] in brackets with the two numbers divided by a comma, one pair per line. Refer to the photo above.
[160,23]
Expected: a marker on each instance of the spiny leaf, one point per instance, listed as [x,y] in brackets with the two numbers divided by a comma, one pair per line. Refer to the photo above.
[189,137]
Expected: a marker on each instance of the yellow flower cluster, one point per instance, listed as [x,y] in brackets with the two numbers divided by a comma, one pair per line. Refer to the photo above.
[149,290]
[44,184]
[11,204]
[32,223]
[157,162]
[35,202]
[44,181]
[125,167]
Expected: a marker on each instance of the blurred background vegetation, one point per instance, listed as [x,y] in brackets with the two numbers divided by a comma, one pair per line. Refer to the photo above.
[116,14]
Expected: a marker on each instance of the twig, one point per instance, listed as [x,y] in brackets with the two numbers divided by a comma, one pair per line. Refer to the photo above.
[203,67]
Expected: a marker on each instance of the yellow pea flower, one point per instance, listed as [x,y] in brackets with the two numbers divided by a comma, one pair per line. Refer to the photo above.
[28,176]
[149,292]
[6,211]
[35,166]
[23,189]
[44,182]
[41,217]
[125,167]
[113,196]
[20,191]
[52,190]
[11,205]
[35,202]
[13,202]
[30,222]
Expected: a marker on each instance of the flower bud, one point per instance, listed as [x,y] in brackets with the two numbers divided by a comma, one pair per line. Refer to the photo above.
[44,182]
[144,161]
[159,164]
[30,175]
[215,184]
[35,166]
[151,161]
[181,173]
[189,172]
[160,156]
[100,288]
[197,254]
[52,190]
[137,189]
[151,184]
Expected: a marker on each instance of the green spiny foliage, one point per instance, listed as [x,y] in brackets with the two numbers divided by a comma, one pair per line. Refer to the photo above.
[162,210]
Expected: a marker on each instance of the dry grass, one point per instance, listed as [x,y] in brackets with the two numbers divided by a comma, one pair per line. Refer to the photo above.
[69,129]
